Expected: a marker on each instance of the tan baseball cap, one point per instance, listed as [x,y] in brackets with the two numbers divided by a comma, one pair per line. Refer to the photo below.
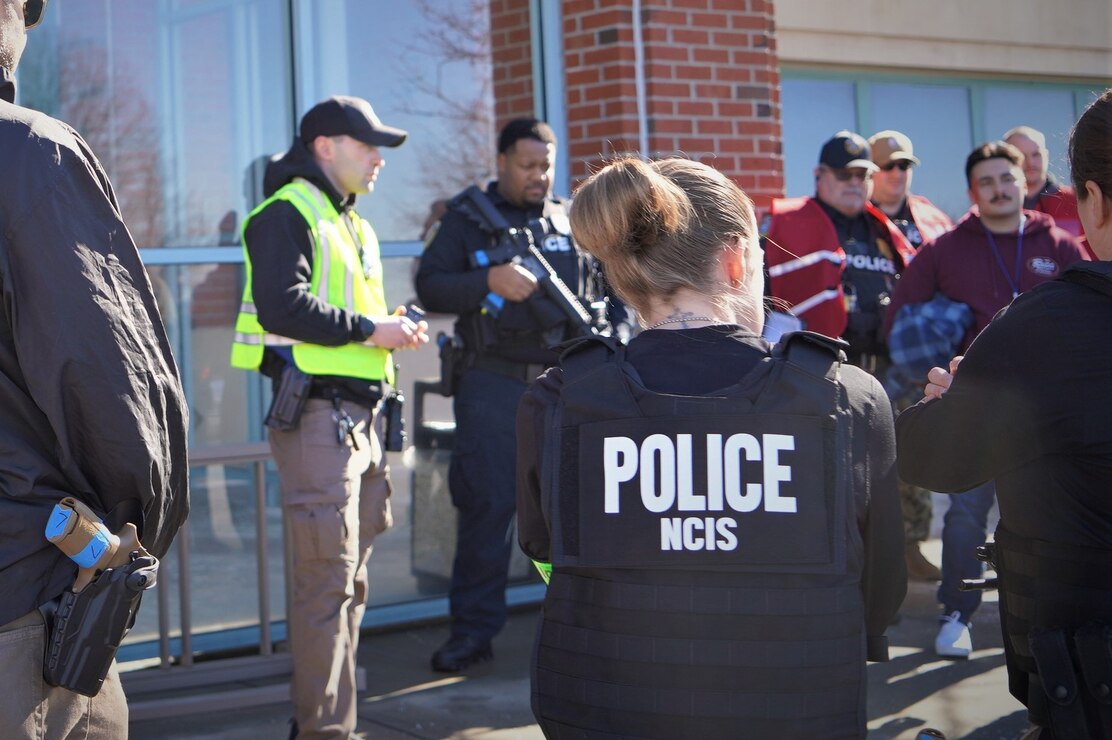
[891,146]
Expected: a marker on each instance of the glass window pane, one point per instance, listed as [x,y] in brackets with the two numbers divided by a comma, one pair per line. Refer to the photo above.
[425,66]
[222,543]
[937,119]
[813,111]
[1046,109]
[176,97]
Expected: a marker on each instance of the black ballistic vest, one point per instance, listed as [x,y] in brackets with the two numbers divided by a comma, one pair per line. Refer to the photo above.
[701,545]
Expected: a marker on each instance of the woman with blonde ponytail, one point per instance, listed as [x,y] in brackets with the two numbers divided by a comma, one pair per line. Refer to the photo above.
[719,516]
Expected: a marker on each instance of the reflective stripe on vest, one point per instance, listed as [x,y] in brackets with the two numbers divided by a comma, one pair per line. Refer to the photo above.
[337,279]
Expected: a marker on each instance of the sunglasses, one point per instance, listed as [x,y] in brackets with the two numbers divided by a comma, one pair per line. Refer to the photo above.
[903,165]
[32,12]
[844,175]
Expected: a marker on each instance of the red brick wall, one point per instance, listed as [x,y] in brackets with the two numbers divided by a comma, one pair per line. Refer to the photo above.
[512,52]
[711,81]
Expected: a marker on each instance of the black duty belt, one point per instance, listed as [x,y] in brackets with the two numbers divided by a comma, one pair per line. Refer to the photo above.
[328,391]
[526,372]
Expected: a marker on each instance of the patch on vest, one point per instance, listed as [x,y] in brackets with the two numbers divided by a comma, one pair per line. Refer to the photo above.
[737,492]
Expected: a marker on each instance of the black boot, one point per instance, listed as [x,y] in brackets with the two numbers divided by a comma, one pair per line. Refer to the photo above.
[459,653]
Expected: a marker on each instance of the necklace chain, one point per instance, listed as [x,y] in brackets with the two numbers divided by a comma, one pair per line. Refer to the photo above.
[679,321]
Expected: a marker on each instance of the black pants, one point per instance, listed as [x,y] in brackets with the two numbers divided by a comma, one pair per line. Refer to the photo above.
[481,478]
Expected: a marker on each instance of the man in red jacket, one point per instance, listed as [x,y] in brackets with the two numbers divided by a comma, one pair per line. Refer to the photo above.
[1044,193]
[833,258]
[996,251]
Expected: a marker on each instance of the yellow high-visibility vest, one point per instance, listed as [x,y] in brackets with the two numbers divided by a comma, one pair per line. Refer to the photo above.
[338,279]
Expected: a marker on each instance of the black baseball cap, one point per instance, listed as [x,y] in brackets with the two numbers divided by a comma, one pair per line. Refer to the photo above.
[342,115]
[847,150]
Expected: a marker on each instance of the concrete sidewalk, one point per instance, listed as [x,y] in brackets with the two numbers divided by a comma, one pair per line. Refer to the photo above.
[405,699]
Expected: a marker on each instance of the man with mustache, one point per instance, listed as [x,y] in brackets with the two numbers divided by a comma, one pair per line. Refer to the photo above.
[833,258]
[996,251]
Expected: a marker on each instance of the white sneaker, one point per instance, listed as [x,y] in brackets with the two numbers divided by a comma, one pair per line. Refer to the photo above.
[953,639]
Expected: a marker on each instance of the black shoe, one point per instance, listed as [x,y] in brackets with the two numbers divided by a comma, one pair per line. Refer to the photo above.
[459,653]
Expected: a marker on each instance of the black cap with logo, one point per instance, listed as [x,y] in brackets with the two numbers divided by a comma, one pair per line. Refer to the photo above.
[847,150]
[342,115]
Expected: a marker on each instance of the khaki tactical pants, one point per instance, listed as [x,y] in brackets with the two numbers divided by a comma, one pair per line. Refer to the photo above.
[33,709]
[336,499]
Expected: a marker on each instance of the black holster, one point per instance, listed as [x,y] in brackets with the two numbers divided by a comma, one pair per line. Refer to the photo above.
[85,629]
[1075,678]
[289,399]
[453,361]
[393,422]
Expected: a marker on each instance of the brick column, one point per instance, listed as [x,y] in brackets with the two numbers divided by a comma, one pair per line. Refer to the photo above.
[512,59]
[711,80]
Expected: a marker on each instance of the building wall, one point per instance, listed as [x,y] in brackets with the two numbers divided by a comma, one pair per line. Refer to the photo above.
[1017,37]
[512,60]
[711,86]
[711,83]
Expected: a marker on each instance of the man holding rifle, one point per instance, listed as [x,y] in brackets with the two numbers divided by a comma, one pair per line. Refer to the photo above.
[495,274]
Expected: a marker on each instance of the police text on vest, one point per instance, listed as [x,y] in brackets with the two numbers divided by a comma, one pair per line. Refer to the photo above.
[663,469]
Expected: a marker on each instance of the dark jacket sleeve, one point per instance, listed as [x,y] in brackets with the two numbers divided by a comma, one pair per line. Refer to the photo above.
[445,281]
[280,245]
[88,340]
[533,532]
[984,422]
[884,576]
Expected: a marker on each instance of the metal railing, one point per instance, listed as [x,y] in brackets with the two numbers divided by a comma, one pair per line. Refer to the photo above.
[145,686]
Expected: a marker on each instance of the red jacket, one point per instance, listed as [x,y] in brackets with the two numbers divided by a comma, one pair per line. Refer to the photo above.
[961,265]
[931,222]
[805,261]
[1060,202]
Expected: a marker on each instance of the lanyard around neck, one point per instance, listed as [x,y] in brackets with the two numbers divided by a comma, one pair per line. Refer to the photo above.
[1014,284]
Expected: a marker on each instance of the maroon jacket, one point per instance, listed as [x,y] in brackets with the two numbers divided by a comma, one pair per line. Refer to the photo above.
[960,264]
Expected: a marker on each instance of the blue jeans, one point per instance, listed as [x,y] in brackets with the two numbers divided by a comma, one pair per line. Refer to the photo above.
[481,478]
[963,529]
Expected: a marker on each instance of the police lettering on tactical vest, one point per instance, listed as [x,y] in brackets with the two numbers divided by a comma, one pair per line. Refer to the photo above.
[704,490]
[663,469]
[871,263]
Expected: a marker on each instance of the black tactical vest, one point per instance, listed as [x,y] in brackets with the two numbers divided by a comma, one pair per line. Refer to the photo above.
[518,330]
[701,545]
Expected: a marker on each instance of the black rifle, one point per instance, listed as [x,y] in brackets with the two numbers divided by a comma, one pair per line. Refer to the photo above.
[518,246]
